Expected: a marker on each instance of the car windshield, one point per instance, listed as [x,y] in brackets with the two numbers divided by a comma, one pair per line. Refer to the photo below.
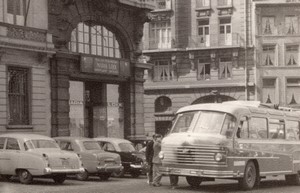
[91,145]
[207,122]
[40,143]
[126,147]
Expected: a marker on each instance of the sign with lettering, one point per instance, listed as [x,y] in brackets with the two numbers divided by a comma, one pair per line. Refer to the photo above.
[102,65]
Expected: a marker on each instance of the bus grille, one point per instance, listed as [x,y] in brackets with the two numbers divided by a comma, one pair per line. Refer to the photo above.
[192,155]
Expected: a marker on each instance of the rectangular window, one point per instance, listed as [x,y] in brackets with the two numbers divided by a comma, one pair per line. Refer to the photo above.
[203,70]
[276,129]
[259,128]
[268,25]
[225,35]
[293,91]
[163,71]
[224,3]
[18,96]
[291,55]
[291,25]
[269,90]
[163,4]
[268,55]
[160,35]
[292,130]
[202,3]
[225,68]
[15,12]
[203,32]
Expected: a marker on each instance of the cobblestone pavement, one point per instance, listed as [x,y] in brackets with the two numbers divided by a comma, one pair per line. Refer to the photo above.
[131,185]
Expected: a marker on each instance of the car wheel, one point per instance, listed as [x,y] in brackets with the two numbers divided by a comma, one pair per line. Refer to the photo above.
[104,177]
[292,179]
[6,177]
[82,176]
[25,177]
[194,181]
[135,174]
[119,174]
[59,178]
[251,177]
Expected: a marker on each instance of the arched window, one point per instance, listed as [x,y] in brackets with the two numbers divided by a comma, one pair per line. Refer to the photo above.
[95,40]
[162,104]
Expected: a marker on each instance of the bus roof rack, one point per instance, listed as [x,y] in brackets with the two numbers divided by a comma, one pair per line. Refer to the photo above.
[258,104]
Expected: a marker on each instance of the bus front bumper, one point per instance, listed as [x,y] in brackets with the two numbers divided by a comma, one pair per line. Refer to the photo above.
[200,173]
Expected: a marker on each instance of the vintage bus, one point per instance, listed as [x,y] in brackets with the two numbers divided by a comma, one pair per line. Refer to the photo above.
[240,140]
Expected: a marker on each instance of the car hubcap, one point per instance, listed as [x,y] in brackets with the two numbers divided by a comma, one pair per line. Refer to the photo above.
[24,174]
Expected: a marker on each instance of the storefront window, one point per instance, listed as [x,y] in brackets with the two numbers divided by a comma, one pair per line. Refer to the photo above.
[76,102]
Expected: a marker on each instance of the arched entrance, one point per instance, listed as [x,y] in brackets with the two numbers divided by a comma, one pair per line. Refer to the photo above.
[213,99]
[103,64]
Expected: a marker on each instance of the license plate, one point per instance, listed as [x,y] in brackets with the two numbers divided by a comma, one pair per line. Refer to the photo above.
[65,162]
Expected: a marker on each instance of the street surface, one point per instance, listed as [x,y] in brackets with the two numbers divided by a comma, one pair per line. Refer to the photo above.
[131,185]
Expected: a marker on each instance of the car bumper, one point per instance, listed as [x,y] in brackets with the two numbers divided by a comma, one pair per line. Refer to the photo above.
[200,173]
[63,171]
[109,168]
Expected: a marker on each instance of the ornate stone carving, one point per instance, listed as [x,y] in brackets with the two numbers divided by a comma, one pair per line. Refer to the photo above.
[26,34]
[161,16]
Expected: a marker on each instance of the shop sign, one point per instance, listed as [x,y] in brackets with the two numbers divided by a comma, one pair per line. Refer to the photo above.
[102,65]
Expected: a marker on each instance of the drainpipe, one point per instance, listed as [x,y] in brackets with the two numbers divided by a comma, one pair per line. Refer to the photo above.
[246,51]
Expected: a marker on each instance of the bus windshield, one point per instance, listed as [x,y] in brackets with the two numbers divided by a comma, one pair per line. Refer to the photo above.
[209,122]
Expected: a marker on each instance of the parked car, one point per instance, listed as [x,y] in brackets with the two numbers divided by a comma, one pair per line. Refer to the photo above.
[95,161]
[132,160]
[31,155]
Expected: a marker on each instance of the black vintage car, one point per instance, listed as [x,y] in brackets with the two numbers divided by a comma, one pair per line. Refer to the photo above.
[132,160]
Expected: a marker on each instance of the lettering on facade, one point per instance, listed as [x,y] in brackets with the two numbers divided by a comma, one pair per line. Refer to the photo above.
[109,66]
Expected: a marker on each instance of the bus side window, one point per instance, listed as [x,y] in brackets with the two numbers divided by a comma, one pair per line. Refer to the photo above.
[276,129]
[243,128]
[292,130]
[258,129]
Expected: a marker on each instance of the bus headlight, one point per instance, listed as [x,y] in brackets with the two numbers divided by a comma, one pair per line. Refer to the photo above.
[161,155]
[219,157]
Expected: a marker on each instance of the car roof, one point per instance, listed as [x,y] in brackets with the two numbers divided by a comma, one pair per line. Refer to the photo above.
[24,136]
[71,138]
[112,139]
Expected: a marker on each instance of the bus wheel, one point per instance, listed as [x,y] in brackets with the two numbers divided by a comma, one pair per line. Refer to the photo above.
[250,178]
[292,179]
[194,181]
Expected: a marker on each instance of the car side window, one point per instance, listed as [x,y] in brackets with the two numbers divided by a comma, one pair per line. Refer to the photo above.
[66,145]
[2,142]
[108,147]
[12,144]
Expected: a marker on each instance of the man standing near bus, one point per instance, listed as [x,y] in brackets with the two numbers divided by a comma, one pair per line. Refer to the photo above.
[157,161]
[149,157]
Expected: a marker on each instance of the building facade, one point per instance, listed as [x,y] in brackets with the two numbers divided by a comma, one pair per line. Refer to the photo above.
[72,67]
[25,47]
[201,51]
[277,40]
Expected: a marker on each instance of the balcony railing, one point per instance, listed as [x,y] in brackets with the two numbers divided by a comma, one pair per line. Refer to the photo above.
[215,40]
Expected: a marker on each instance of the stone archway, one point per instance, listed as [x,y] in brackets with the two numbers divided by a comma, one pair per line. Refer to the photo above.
[213,99]
[126,22]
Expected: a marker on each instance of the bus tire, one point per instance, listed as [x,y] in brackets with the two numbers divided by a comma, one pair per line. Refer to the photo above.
[292,179]
[194,181]
[251,177]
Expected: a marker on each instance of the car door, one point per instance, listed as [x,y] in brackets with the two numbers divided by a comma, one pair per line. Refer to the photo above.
[10,156]
[2,155]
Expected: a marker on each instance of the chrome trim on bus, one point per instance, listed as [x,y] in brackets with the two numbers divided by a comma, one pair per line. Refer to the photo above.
[276,172]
